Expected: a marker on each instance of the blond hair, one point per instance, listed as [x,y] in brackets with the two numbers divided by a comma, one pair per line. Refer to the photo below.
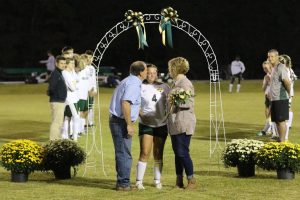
[266,62]
[68,60]
[286,60]
[179,65]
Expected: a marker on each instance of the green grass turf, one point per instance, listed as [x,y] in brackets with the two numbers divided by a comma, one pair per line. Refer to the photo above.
[25,113]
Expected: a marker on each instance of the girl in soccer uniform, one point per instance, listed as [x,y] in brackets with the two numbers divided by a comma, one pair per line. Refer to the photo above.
[71,111]
[92,87]
[83,89]
[269,126]
[152,126]
[286,60]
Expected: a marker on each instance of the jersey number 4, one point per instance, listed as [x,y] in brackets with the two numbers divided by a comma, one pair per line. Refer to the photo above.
[154,98]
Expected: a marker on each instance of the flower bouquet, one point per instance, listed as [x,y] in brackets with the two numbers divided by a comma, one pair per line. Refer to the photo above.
[21,157]
[281,157]
[241,153]
[180,97]
[61,155]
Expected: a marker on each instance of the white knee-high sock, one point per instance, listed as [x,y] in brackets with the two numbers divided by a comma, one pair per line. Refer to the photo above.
[140,171]
[267,126]
[230,87]
[157,170]
[91,116]
[82,124]
[65,129]
[275,132]
[291,114]
[287,131]
[238,87]
[76,126]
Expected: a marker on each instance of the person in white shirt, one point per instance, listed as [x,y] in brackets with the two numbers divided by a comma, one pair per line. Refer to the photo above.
[71,110]
[152,126]
[286,60]
[92,86]
[83,90]
[50,64]
[237,70]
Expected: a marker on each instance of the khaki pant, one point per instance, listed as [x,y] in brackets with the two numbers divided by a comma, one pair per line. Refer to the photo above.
[57,112]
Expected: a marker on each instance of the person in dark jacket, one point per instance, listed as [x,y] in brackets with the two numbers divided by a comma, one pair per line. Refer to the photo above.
[57,92]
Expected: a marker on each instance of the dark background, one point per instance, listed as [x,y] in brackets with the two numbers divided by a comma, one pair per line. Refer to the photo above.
[28,28]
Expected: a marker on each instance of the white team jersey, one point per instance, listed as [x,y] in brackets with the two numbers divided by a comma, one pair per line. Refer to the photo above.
[153,103]
[267,82]
[292,80]
[83,85]
[237,67]
[92,77]
[71,80]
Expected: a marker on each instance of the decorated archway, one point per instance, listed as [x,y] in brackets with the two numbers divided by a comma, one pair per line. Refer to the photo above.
[216,117]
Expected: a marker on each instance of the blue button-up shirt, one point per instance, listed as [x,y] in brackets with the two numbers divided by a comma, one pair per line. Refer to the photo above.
[128,90]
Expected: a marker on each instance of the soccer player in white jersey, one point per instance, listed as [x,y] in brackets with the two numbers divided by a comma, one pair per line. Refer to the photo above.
[71,111]
[83,89]
[269,126]
[286,60]
[92,86]
[152,126]
[237,70]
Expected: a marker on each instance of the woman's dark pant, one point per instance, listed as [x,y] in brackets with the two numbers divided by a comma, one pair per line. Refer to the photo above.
[180,145]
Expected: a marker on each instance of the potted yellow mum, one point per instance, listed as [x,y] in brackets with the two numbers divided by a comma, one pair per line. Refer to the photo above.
[21,157]
[282,157]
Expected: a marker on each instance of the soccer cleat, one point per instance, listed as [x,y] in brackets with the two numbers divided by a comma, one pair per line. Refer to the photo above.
[139,186]
[260,133]
[158,186]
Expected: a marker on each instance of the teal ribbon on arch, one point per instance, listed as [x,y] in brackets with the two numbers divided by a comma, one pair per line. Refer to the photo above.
[142,39]
[165,28]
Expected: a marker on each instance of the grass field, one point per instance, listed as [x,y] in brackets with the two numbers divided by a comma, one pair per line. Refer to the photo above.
[25,113]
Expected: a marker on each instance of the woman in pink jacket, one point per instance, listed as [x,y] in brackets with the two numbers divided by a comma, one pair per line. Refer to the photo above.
[181,120]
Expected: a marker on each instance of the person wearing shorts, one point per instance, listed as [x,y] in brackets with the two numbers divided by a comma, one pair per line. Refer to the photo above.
[153,130]
[279,94]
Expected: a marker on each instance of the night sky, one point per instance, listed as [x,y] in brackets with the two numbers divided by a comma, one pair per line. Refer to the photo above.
[28,28]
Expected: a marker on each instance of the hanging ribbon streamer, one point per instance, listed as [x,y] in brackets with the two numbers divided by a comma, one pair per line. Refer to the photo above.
[165,27]
[169,15]
[141,31]
[138,22]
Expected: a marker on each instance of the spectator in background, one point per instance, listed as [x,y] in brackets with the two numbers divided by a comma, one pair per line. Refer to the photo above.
[67,52]
[57,92]
[237,70]
[50,64]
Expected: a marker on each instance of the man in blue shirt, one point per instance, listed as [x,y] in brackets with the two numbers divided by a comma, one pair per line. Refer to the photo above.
[124,111]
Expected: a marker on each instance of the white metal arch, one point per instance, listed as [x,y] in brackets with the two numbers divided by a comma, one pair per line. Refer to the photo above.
[216,107]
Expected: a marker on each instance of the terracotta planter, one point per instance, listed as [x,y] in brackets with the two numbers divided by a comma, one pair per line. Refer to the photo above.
[285,174]
[62,173]
[246,170]
[19,177]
